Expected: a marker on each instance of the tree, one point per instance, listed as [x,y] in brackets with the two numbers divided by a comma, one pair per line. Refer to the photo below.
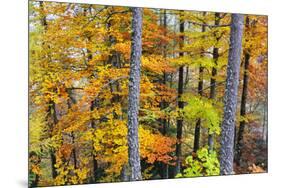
[240,133]
[200,92]
[85,65]
[213,81]
[180,102]
[231,91]
[134,93]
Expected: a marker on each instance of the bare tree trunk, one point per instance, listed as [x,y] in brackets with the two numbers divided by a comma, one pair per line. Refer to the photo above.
[180,102]
[71,101]
[231,91]
[53,115]
[134,93]
[186,81]
[239,144]
[196,145]
[264,125]
[165,167]
[95,174]
[213,81]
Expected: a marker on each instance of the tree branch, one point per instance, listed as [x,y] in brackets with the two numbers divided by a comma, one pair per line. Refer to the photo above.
[208,25]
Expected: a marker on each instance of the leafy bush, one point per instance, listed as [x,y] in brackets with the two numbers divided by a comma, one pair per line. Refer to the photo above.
[204,163]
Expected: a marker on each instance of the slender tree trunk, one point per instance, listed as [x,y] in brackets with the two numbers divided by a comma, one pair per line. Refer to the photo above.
[71,101]
[231,91]
[239,144]
[53,115]
[180,102]
[165,167]
[95,174]
[240,134]
[196,145]
[213,81]
[186,77]
[134,93]
[264,129]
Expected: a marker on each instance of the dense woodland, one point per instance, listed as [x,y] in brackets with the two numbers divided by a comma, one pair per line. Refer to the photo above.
[125,94]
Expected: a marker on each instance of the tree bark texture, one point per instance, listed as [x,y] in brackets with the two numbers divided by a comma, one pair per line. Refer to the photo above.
[231,91]
[134,94]
[180,102]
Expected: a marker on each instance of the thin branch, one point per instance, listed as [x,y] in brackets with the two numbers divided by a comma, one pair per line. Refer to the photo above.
[208,25]
[112,13]
[222,16]
[94,17]
[108,84]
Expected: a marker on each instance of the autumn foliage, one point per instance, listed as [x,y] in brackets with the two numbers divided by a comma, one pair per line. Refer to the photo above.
[78,92]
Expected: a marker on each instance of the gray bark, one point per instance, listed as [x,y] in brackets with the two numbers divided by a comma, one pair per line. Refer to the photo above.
[230,98]
[134,93]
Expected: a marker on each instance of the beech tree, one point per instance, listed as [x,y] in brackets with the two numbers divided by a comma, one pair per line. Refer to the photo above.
[134,94]
[213,81]
[180,102]
[231,92]
[116,93]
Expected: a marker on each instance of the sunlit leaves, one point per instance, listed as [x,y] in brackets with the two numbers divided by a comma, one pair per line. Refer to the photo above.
[203,163]
[204,109]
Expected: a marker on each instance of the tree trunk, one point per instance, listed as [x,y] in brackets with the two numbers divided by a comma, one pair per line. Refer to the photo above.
[198,122]
[196,145]
[134,93]
[52,109]
[231,91]
[239,144]
[213,81]
[95,174]
[165,167]
[240,134]
[53,115]
[71,101]
[180,102]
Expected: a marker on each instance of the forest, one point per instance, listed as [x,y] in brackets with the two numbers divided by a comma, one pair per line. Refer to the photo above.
[127,94]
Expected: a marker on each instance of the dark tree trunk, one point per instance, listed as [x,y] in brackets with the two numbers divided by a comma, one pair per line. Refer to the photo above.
[213,81]
[186,77]
[240,134]
[231,91]
[53,115]
[95,174]
[180,102]
[134,93]
[196,145]
[198,122]
[239,144]
[165,167]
